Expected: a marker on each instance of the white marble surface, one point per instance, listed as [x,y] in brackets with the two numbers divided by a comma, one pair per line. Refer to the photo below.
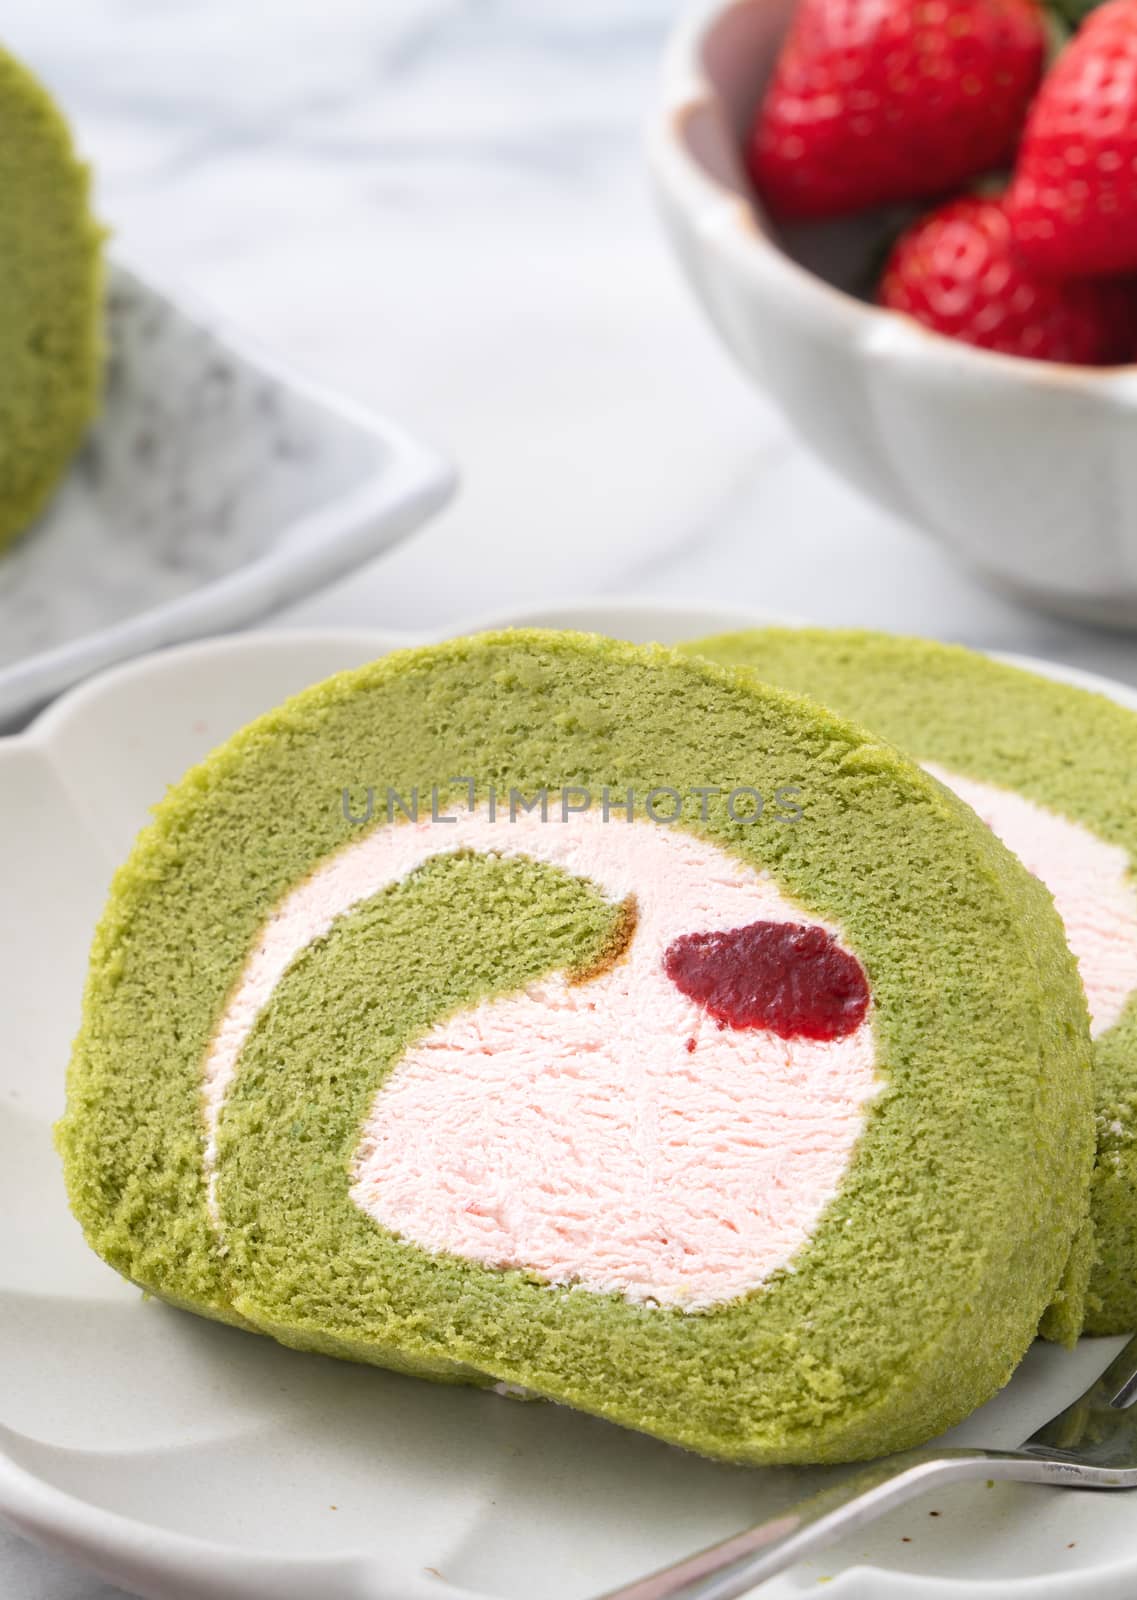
[439,206]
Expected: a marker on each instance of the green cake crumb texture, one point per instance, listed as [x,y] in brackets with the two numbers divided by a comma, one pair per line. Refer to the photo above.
[1070,750]
[50,298]
[925,1279]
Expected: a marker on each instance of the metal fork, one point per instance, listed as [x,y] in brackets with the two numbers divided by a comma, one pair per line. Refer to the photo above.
[1090,1445]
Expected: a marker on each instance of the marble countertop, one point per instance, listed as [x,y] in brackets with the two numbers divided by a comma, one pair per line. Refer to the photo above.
[439,207]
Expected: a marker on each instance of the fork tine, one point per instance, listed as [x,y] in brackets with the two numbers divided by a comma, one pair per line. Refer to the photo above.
[1094,1426]
[1122,1371]
[1093,1415]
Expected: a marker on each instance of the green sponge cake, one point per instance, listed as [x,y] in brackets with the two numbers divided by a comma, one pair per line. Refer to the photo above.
[50,293]
[544,1011]
[1052,769]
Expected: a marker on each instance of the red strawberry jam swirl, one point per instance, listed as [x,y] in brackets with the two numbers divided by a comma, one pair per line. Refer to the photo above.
[789,979]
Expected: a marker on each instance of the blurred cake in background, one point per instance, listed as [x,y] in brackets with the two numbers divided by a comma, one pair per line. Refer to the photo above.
[50,298]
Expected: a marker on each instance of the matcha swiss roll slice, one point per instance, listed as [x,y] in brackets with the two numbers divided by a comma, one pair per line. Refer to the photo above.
[50,298]
[544,1010]
[1052,770]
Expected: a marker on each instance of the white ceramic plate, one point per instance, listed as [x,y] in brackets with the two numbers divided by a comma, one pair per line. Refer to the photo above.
[214,487]
[183,1459]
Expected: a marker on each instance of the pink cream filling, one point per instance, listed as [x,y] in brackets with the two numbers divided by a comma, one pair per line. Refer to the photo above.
[1088,878]
[608,1133]
[571,1130]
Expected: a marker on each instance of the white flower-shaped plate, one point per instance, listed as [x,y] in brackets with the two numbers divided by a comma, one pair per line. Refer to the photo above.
[214,487]
[188,1461]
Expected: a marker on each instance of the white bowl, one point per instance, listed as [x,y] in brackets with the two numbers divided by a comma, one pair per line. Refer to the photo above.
[1026,470]
[214,487]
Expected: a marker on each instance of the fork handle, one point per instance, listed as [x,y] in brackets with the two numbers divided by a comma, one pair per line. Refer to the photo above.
[730,1569]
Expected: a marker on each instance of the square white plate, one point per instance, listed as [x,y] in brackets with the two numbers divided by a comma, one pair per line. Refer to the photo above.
[214,487]
[183,1459]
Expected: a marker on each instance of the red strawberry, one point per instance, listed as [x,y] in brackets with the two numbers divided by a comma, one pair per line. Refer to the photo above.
[1073,198]
[874,101]
[956,271]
